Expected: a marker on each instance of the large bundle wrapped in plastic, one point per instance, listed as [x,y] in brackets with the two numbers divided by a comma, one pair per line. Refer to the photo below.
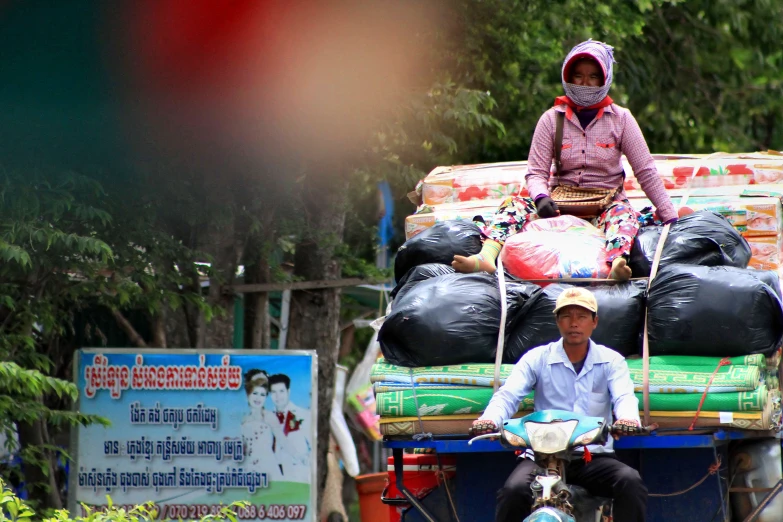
[427,216]
[418,274]
[451,319]
[472,182]
[438,244]
[620,318]
[702,238]
[560,247]
[713,311]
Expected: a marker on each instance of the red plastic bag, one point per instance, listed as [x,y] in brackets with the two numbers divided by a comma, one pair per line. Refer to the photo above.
[554,248]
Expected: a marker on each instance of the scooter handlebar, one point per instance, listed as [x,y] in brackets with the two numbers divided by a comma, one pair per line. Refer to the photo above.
[614,429]
[624,429]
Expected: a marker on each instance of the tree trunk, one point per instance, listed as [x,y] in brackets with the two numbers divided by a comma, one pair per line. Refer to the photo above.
[159,329]
[41,485]
[226,250]
[315,314]
[177,329]
[257,320]
[258,327]
[194,319]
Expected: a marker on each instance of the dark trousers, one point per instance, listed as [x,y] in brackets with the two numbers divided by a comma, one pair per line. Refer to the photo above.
[604,476]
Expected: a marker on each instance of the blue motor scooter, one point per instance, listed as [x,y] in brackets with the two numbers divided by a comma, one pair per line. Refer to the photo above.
[552,435]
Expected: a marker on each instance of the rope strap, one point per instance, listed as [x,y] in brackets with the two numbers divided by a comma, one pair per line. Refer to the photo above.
[646,339]
[723,362]
[441,477]
[422,434]
[502,329]
[713,469]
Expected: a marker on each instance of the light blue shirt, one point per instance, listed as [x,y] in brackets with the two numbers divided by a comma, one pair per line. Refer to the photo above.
[603,385]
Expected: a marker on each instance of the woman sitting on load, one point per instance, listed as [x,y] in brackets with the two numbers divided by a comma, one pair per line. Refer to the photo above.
[594,134]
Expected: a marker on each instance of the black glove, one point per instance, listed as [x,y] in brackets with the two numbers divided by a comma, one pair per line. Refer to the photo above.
[547,208]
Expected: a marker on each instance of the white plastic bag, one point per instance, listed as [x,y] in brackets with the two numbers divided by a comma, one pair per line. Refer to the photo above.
[339,427]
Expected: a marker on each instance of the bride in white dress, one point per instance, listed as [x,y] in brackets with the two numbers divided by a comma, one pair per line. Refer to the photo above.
[257,434]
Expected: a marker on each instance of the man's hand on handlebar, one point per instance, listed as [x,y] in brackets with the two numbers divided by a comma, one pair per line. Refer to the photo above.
[627,427]
[482,427]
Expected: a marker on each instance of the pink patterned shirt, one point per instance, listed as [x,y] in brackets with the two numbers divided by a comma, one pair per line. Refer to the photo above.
[591,157]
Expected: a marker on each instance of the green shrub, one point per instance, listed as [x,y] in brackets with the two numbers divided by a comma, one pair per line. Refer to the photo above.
[14,509]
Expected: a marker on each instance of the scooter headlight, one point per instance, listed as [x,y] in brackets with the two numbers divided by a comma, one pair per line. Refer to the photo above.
[514,440]
[550,437]
[588,437]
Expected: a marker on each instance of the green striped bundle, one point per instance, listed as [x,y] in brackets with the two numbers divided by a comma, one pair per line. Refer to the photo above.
[756,359]
[438,402]
[754,400]
[694,379]
[471,374]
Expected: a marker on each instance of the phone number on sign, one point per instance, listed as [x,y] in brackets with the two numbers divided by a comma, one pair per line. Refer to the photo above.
[250,512]
[196,511]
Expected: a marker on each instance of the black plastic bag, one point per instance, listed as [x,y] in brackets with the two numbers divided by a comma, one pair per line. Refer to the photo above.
[702,238]
[620,319]
[437,244]
[713,311]
[772,278]
[451,319]
[418,274]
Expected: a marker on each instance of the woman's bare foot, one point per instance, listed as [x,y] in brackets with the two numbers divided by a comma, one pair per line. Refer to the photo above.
[468,265]
[620,270]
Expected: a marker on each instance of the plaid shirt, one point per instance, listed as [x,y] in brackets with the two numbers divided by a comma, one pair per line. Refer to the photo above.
[591,157]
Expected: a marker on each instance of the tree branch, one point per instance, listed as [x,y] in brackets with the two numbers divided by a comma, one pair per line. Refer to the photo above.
[128,328]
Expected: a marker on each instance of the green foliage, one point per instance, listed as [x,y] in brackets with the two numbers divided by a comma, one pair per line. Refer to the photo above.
[515,49]
[14,509]
[53,258]
[426,129]
[62,252]
[700,75]
[706,75]
[152,269]
[20,393]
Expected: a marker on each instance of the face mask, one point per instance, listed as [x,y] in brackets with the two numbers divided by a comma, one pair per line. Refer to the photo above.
[585,96]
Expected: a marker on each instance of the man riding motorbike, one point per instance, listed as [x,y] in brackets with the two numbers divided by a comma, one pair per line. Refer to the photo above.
[572,374]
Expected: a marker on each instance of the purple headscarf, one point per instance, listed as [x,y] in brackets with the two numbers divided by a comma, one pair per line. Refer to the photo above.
[602,53]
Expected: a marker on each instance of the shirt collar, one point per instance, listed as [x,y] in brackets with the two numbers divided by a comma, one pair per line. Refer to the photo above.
[594,355]
[563,107]
[571,115]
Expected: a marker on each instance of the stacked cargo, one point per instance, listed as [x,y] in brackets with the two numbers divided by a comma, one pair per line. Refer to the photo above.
[709,392]
[715,327]
[463,192]
[744,188]
[442,400]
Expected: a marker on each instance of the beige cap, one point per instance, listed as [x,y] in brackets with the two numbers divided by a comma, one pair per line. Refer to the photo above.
[577,297]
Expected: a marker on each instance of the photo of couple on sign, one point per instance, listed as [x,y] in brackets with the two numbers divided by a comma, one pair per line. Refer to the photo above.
[275,431]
